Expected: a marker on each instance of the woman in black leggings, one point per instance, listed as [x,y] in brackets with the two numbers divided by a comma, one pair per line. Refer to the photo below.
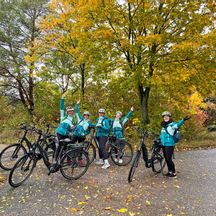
[167,140]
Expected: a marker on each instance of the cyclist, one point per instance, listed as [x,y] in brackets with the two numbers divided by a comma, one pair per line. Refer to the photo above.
[82,128]
[117,128]
[167,140]
[67,121]
[102,131]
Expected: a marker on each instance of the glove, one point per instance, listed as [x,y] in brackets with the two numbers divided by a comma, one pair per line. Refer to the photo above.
[186,118]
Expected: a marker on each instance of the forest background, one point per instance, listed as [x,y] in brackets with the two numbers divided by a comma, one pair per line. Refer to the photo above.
[154,55]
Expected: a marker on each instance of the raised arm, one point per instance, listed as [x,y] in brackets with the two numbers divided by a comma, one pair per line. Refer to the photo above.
[78,114]
[127,116]
[62,112]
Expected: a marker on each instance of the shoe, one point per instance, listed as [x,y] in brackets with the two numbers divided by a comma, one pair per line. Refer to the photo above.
[99,162]
[120,161]
[173,175]
[105,166]
[115,159]
[170,174]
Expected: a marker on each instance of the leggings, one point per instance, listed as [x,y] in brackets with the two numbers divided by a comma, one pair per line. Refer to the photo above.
[168,152]
[102,147]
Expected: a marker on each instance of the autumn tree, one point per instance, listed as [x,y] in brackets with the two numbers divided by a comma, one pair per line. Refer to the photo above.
[163,44]
[18,34]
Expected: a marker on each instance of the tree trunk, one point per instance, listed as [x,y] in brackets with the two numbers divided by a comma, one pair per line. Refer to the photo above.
[144,96]
[82,67]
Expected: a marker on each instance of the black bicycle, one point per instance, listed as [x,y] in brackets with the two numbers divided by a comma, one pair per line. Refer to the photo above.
[10,154]
[119,150]
[156,160]
[72,161]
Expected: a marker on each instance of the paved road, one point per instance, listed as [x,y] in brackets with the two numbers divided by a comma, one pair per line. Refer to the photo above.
[106,192]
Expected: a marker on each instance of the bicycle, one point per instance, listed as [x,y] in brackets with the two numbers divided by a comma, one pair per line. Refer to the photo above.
[121,153]
[12,153]
[156,161]
[68,162]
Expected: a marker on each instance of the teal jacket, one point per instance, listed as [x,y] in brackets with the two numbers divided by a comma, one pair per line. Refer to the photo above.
[117,125]
[66,121]
[167,138]
[82,128]
[102,126]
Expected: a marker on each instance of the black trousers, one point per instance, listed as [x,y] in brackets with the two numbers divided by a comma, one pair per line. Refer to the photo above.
[168,152]
[102,147]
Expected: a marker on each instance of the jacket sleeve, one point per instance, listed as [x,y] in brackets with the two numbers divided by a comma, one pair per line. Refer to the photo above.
[106,125]
[127,117]
[78,114]
[62,112]
[178,124]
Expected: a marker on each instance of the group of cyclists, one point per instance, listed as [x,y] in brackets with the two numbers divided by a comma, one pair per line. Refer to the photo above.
[76,127]
[77,130]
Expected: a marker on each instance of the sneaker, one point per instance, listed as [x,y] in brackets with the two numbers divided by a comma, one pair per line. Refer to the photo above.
[99,162]
[120,161]
[173,175]
[115,159]
[105,166]
[170,174]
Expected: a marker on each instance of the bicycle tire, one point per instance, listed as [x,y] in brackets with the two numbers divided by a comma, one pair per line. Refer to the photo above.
[157,163]
[8,156]
[23,164]
[134,165]
[126,155]
[70,166]
[91,152]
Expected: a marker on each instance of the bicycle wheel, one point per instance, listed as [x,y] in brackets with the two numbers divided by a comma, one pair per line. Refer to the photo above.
[122,156]
[91,152]
[10,155]
[22,170]
[74,164]
[134,165]
[157,162]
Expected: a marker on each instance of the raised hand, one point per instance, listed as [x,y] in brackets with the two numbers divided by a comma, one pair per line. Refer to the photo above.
[186,118]
[132,109]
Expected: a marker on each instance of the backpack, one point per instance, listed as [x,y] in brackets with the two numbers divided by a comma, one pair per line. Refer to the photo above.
[176,136]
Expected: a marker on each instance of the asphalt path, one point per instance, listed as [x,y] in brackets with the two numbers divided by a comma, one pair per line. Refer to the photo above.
[107,192]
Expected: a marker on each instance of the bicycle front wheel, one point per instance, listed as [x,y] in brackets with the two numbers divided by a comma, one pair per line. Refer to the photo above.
[134,165]
[10,155]
[74,164]
[157,162]
[122,157]
[22,170]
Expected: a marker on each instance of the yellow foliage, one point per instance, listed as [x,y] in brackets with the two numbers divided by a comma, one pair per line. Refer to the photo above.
[122,210]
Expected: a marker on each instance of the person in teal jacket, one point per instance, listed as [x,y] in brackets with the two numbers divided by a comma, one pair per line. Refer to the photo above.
[67,121]
[167,140]
[82,128]
[118,123]
[102,132]
[117,128]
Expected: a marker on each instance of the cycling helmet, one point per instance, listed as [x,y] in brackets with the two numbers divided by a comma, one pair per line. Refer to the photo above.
[68,109]
[119,112]
[166,113]
[86,113]
[101,110]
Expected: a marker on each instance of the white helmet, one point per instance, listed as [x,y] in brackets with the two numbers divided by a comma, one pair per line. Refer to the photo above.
[166,113]
[119,112]
[86,113]
[68,109]
[101,110]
